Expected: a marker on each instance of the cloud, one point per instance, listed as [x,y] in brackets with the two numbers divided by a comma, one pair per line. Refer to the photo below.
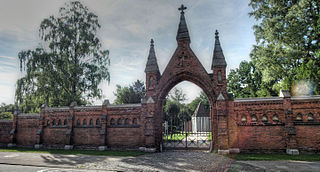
[126,30]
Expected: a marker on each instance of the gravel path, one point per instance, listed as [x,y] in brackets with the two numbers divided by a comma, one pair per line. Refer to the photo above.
[166,161]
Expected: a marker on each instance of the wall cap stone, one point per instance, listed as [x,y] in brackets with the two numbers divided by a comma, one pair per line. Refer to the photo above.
[32,115]
[220,97]
[258,99]
[305,97]
[285,93]
[125,105]
[6,120]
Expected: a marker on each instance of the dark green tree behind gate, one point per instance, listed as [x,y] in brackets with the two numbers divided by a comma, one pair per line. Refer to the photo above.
[68,65]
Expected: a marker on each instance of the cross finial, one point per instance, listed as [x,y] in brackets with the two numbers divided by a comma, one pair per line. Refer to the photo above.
[217,34]
[182,8]
[151,43]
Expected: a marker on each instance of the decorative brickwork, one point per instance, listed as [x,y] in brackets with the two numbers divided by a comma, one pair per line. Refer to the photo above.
[284,123]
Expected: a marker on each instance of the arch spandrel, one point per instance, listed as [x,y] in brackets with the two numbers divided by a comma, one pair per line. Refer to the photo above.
[167,84]
[185,66]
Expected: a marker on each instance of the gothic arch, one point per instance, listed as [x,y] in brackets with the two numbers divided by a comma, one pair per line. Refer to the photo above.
[169,83]
[185,66]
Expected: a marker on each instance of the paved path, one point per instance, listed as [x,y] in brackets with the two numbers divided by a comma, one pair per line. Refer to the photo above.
[166,161]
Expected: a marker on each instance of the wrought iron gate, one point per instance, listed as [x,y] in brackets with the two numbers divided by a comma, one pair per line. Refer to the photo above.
[186,140]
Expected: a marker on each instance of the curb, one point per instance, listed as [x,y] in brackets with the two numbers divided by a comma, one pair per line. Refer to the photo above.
[52,166]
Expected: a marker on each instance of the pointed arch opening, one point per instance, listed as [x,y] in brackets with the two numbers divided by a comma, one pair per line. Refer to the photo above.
[186,116]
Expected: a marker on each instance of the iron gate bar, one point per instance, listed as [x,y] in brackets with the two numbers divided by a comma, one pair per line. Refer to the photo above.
[186,140]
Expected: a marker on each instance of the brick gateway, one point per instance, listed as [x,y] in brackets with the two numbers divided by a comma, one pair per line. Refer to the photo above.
[284,123]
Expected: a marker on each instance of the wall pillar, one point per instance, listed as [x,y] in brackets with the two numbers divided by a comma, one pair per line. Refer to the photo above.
[103,130]
[291,140]
[70,118]
[221,119]
[39,133]
[13,131]
[149,123]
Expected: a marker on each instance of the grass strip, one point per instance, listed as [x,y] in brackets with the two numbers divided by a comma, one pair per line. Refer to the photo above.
[274,157]
[133,153]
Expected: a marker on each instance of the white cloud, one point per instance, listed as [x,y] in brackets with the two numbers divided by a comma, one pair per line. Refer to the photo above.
[127,27]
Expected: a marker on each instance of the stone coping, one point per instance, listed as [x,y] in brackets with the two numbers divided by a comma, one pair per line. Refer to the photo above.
[276,98]
[305,97]
[258,99]
[29,115]
[87,107]
[125,105]
[96,107]
[6,120]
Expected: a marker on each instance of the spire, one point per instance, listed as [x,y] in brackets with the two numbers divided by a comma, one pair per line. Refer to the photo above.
[218,57]
[152,64]
[183,29]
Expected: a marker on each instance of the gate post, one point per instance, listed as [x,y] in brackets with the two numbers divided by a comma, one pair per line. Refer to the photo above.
[221,118]
[149,123]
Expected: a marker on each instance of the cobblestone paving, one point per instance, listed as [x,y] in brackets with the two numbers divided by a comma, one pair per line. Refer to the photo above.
[166,161]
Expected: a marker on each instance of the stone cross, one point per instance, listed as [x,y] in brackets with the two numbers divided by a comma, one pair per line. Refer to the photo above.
[182,8]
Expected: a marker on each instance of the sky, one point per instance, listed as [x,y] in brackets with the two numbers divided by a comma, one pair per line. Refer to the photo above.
[126,30]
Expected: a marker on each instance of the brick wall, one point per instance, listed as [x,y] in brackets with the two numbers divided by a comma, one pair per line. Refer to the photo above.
[124,126]
[26,129]
[257,124]
[5,128]
[91,126]
[264,124]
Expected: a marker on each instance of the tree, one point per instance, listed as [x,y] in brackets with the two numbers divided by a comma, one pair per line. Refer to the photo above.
[246,81]
[287,36]
[7,108]
[6,115]
[177,95]
[69,63]
[194,104]
[171,113]
[130,94]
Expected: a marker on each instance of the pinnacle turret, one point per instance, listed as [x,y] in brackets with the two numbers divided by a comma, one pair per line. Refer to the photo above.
[218,57]
[152,64]
[183,29]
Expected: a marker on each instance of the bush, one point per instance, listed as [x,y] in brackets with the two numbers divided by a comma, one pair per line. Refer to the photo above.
[6,115]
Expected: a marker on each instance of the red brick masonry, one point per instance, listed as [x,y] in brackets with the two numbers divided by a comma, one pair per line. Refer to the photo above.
[257,124]
[282,123]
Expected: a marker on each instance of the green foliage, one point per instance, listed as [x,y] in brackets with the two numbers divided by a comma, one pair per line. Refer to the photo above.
[68,65]
[274,157]
[246,81]
[287,48]
[171,111]
[177,95]
[6,111]
[130,94]
[176,112]
[6,115]
[202,98]
[175,136]
[6,108]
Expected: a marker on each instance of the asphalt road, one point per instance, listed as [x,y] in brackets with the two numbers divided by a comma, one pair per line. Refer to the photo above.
[166,161]
[19,168]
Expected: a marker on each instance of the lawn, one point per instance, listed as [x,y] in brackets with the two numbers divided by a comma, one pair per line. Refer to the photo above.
[274,157]
[175,136]
[76,152]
